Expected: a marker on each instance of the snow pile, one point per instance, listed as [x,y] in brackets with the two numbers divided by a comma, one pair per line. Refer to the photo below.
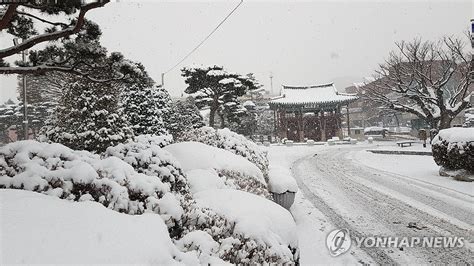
[204,179]
[281,180]
[453,149]
[236,171]
[39,229]
[231,141]
[259,221]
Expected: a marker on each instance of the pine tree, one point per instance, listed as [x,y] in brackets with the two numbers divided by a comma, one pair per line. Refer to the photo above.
[144,109]
[218,89]
[88,117]
[184,116]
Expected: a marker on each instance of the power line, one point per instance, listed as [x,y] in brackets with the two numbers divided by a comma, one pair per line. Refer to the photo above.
[205,39]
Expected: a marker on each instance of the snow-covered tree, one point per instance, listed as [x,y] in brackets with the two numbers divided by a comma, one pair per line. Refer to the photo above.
[88,117]
[246,124]
[428,79]
[218,89]
[163,100]
[144,105]
[265,123]
[184,116]
[143,111]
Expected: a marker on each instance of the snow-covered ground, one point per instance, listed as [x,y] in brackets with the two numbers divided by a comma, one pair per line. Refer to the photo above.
[312,225]
[37,228]
[418,167]
[341,186]
[373,194]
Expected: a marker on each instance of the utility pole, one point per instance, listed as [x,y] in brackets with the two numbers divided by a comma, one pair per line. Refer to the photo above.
[271,82]
[16,41]
[162,80]
[348,121]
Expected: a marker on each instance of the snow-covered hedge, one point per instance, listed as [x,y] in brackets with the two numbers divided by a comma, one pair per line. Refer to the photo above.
[133,178]
[231,141]
[146,156]
[56,170]
[262,224]
[453,148]
[235,171]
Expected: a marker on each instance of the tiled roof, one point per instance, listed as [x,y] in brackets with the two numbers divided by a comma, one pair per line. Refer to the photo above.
[324,94]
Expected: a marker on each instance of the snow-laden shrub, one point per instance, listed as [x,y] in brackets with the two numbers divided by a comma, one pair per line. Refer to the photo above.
[235,171]
[141,178]
[146,156]
[264,228]
[157,140]
[453,149]
[56,170]
[231,141]
[233,247]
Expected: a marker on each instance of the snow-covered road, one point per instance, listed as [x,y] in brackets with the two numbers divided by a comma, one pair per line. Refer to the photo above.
[369,202]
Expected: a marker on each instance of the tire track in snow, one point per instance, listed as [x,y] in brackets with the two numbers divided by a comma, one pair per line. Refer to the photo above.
[384,209]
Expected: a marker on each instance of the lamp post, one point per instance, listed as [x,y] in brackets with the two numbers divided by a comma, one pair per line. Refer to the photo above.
[16,41]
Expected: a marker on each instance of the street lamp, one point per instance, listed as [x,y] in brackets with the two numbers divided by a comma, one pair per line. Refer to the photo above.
[16,41]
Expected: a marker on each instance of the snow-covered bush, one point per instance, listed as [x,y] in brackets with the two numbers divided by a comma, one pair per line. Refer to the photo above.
[268,230]
[235,171]
[161,140]
[453,149]
[134,178]
[145,156]
[56,170]
[231,141]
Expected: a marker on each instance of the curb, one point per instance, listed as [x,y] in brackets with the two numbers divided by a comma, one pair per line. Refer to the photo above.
[429,153]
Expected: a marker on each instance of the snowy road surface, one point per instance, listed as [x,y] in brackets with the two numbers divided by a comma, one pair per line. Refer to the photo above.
[370,201]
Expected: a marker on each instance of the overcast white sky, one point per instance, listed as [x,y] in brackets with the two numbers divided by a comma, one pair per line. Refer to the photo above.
[299,42]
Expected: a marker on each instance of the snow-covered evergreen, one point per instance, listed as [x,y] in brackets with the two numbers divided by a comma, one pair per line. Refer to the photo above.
[88,117]
[184,116]
[215,87]
[144,108]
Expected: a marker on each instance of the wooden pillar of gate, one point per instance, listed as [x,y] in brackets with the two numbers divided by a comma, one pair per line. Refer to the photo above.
[300,126]
[339,122]
[322,122]
[284,125]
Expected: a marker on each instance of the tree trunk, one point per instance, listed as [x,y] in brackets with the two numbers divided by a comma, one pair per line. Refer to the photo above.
[222,120]
[212,115]
[445,121]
